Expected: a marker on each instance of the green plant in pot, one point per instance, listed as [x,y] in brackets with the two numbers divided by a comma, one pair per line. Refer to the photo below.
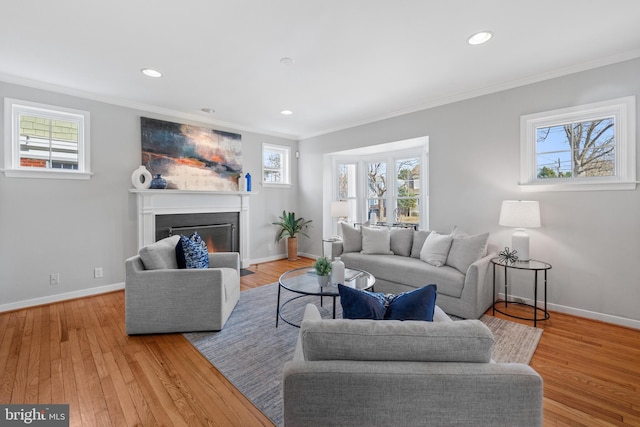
[322,266]
[290,227]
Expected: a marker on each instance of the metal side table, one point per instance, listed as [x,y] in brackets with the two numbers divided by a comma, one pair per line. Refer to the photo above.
[531,265]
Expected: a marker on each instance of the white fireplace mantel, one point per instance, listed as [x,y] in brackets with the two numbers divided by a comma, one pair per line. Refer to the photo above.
[164,202]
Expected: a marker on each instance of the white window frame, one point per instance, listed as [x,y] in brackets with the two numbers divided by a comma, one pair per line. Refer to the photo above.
[285,169]
[623,112]
[13,169]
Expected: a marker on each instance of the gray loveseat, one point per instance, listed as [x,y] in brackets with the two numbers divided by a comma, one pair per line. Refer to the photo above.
[464,281]
[404,373]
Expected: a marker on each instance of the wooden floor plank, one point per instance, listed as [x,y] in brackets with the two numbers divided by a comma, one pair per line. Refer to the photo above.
[77,352]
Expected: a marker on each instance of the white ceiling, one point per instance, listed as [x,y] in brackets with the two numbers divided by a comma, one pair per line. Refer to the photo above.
[356,61]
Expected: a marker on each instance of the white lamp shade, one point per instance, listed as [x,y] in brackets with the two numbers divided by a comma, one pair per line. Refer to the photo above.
[340,209]
[520,214]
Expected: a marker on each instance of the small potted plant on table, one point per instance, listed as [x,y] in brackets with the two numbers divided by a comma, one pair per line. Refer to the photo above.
[290,226]
[322,266]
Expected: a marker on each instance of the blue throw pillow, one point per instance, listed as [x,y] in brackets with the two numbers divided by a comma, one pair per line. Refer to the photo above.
[418,304]
[192,252]
[357,304]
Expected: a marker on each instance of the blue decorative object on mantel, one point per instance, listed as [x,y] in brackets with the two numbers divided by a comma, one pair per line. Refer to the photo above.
[158,182]
[248,178]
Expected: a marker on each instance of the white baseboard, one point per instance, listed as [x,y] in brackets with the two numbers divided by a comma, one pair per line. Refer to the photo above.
[266,259]
[607,318]
[280,256]
[61,297]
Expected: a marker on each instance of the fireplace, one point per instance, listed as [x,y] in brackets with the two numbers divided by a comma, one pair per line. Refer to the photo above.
[221,215]
[219,230]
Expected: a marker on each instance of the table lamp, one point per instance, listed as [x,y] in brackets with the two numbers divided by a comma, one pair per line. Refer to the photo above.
[340,210]
[520,214]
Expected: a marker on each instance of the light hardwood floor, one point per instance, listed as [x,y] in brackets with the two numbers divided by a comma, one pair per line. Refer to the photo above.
[77,352]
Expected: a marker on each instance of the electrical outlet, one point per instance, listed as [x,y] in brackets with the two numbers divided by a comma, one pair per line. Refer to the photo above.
[97,272]
[54,279]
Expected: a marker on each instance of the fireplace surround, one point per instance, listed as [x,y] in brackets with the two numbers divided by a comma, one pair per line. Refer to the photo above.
[161,204]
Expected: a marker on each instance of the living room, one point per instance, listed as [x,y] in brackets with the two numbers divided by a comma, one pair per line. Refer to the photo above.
[70,228]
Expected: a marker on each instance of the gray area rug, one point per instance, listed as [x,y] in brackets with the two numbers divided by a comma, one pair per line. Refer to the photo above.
[250,351]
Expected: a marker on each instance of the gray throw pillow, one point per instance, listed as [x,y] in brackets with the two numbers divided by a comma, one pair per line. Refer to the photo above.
[465,250]
[419,237]
[436,249]
[401,241]
[376,241]
[160,255]
[351,238]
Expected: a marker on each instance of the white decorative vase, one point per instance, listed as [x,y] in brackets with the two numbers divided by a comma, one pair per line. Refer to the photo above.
[373,220]
[141,178]
[337,272]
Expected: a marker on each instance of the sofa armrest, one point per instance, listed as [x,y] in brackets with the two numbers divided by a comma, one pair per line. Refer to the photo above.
[477,290]
[224,259]
[336,248]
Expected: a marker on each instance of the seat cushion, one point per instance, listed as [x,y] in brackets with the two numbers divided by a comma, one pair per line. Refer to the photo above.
[161,254]
[407,270]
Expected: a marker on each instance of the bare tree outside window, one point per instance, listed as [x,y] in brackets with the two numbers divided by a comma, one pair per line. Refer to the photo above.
[377,189]
[578,149]
[272,167]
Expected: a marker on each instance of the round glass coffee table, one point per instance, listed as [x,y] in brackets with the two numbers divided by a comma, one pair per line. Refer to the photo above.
[304,281]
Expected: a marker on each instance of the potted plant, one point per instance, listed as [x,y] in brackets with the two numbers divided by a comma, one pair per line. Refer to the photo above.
[322,266]
[290,226]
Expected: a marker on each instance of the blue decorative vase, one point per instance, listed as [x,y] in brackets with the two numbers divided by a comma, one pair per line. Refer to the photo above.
[158,182]
[248,178]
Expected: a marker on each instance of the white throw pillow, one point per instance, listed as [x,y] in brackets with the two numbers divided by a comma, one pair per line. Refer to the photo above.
[436,248]
[376,241]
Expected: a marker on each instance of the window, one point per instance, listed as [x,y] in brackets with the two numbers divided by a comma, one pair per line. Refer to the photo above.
[384,185]
[407,210]
[347,182]
[45,141]
[276,164]
[588,147]
[377,190]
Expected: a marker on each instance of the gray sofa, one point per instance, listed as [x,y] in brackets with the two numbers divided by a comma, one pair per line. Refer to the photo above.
[464,280]
[411,373]
[160,298]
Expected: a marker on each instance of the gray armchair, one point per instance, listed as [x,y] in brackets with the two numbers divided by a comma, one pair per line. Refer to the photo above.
[167,299]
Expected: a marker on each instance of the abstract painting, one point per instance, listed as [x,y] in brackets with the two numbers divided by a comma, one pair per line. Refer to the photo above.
[191,157]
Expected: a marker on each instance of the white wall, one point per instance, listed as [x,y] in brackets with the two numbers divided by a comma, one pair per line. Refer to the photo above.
[591,238]
[70,227]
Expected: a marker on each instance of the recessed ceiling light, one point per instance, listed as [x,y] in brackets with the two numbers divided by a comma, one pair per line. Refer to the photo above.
[208,110]
[480,37]
[287,61]
[286,112]
[150,72]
